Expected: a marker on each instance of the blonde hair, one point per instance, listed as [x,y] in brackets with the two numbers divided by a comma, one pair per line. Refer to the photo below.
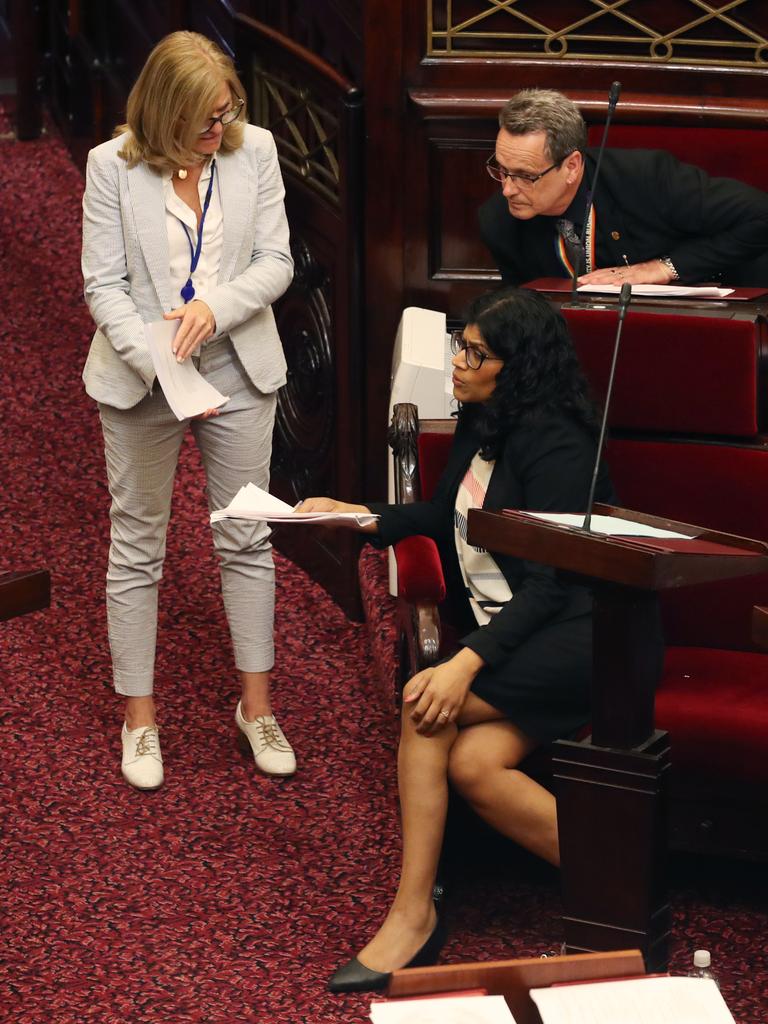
[173,96]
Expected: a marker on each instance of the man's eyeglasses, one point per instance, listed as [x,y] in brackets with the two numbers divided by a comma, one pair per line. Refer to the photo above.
[226,118]
[474,356]
[499,173]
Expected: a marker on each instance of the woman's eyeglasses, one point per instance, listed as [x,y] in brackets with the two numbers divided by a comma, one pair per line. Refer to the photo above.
[474,356]
[226,118]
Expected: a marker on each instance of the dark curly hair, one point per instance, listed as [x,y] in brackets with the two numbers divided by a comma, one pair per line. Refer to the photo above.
[540,375]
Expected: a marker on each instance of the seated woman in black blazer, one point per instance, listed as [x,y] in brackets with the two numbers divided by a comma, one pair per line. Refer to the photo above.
[526,438]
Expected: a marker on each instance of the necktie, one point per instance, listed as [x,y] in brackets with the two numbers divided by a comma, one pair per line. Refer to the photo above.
[573,247]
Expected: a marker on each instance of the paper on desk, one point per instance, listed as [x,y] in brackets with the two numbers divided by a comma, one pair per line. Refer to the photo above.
[608,525]
[443,1010]
[251,502]
[680,291]
[187,393]
[634,1001]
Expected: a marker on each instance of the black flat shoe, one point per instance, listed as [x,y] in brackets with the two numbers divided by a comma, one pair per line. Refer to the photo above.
[356,977]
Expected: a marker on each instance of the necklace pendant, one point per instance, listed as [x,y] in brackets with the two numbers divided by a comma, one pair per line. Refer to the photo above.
[182,173]
[188,291]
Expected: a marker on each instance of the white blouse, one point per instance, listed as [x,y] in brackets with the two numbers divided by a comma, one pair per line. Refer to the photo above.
[486,587]
[177,213]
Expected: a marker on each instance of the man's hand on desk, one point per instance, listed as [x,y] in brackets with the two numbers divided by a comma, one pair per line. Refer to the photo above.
[650,272]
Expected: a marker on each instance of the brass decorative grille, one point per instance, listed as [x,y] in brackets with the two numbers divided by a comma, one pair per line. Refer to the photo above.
[306,135]
[731,33]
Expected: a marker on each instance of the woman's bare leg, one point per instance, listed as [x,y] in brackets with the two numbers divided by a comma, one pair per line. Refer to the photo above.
[422,766]
[482,767]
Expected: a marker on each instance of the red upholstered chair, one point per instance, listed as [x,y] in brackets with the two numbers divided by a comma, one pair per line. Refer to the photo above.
[713,698]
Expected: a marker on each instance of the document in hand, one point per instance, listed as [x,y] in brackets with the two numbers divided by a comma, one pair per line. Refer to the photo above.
[187,393]
[634,1001]
[251,502]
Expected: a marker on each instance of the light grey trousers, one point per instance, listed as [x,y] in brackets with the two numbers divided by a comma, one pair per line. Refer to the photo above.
[142,446]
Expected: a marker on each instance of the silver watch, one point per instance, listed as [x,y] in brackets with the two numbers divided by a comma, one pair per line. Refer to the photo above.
[667,261]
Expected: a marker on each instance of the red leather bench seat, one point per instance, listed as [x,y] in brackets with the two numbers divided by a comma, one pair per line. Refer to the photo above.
[714,705]
[720,486]
[675,375]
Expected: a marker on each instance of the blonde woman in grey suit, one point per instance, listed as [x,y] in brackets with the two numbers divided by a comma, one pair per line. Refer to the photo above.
[183,218]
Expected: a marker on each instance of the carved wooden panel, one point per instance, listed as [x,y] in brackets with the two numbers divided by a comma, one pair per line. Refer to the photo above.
[306,132]
[692,32]
[315,117]
[305,406]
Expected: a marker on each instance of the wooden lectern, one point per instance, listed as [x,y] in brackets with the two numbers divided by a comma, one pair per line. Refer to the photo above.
[610,787]
[514,979]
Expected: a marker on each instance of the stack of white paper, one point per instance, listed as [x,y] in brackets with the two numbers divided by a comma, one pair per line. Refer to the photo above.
[445,1009]
[187,393]
[679,291]
[634,1001]
[251,502]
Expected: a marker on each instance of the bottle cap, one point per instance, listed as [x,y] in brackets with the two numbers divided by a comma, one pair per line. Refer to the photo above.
[701,958]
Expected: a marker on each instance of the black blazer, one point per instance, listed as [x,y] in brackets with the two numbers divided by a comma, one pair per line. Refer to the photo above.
[647,205]
[544,466]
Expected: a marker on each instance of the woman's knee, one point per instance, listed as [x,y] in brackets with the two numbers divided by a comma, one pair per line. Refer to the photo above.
[478,758]
[470,766]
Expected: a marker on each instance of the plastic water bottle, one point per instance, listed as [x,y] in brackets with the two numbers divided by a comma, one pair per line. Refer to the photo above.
[702,966]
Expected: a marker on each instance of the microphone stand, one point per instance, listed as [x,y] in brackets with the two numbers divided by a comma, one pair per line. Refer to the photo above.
[613,99]
[624,299]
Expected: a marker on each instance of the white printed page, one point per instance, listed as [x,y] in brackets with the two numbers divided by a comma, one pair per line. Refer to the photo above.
[609,526]
[187,393]
[443,1010]
[635,1001]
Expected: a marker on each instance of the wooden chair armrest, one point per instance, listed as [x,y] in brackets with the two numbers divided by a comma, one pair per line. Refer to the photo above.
[403,440]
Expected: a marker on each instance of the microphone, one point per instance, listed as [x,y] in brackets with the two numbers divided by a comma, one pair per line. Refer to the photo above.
[624,300]
[613,99]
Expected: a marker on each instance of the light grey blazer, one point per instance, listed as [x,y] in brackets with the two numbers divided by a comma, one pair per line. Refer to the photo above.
[126,266]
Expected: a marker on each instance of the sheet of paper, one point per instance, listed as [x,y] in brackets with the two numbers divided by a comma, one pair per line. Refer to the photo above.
[635,1001]
[187,393]
[251,502]
[681,291]
[608,525]
[443,1010]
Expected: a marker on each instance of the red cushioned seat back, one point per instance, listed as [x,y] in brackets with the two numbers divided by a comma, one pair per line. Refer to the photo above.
[739,153]
[433,455]
[676,374]
[720,486]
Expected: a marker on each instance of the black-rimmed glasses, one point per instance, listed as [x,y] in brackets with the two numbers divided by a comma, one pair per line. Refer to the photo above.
[474,356]
[228,117]
[499,173]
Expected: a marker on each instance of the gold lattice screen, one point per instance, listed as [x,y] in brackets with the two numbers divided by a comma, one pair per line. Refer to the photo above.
[732,33]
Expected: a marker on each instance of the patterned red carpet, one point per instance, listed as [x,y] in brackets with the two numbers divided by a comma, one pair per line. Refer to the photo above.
[225,897]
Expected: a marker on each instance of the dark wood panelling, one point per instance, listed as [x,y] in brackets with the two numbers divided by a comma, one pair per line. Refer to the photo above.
[315,115]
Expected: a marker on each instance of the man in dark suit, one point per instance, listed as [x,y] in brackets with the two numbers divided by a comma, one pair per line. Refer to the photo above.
[654,220]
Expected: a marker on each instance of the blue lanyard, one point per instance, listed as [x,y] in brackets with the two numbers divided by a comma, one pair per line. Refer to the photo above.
[188,291]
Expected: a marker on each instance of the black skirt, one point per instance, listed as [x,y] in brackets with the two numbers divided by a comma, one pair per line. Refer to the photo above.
[544,685]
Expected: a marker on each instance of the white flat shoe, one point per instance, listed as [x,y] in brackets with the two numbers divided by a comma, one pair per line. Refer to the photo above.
[271,751]
[142,764]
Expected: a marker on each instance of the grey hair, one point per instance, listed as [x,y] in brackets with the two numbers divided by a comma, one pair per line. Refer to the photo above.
[546,110]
